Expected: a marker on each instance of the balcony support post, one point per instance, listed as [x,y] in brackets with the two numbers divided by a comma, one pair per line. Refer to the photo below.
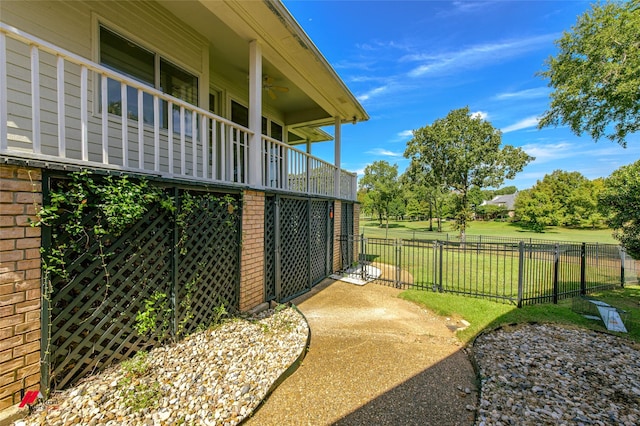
[255,114]
[337,148]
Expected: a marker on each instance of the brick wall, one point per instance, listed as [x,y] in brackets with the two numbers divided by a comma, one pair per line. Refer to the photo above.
[252,254]
[20,193]
[337,229]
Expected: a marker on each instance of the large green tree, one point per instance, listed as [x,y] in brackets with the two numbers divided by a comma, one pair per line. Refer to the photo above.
[620,199]
[462,151]
[560,198]
[596,74]
[380,181]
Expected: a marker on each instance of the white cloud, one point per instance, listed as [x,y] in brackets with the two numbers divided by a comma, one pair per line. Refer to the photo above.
[549,152]
[372,93]
[384,152]
[475,56]
[482,115]
[522,124]
[539,92]
[405,134]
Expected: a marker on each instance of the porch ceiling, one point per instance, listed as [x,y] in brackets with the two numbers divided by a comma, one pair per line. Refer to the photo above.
[316,93]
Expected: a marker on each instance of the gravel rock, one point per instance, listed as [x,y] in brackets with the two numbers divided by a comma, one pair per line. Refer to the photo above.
[548,374]
[214,377]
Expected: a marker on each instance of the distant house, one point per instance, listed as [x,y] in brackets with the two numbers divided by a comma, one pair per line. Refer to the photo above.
[507,202]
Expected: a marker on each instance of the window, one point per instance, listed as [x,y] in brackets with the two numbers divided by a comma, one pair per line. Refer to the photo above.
[240,115]
[127,57]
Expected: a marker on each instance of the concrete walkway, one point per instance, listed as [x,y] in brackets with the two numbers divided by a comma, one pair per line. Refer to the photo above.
[374,359]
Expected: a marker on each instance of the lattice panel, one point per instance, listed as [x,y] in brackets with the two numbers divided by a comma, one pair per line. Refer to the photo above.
[92,312]
[294,234]
[208,265]
[92,317]
[319,240]
[270,248]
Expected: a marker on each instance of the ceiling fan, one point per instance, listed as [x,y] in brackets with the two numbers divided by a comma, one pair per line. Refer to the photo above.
[267,84]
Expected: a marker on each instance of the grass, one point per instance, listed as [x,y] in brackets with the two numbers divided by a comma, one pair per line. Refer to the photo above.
[406,229]
[486,315]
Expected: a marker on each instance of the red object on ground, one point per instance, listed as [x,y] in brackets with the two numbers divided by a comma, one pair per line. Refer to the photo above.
[30,397]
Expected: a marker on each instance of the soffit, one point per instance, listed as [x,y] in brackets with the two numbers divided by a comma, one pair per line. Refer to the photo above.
[316,93]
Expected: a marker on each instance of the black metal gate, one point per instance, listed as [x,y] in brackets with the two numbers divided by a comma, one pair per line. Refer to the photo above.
[347,254]
[298,245]
[91,308]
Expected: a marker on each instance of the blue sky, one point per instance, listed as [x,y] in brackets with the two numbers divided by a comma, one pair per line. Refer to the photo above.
[411,62]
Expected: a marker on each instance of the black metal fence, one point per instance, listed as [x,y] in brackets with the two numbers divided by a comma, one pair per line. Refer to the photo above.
[519,272]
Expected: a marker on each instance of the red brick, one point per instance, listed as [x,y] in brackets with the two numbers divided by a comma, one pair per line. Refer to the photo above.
[33,381]
[9,390]
[32,316]
[10,343]
[33,253]
[33,274]
[6,197]
[7,245]
[32,210]
[7,289]
[5,311]
[32,232]
[27,285]
[7,221]
[7,378]
[11,321]
[12,298]
[27,197]
[27,243]
[32,336]
[23,265]
[12,256]
[29,305]
[32,294]
[6,332]
[11,209]
[28,370]
[34,175]
[22,350]
[12,233]
[25,220]
[6,403]
[28,326]
[20,186]
[8,172]
[33,357]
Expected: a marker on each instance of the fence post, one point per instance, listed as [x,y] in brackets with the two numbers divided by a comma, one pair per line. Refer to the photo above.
[623,259]
[583,269]
[520,272]
[362,257]
[440,267]
[398,262]
[435,262]
[556,264]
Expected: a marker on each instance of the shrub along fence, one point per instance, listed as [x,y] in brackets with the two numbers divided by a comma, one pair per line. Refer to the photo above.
[518,272]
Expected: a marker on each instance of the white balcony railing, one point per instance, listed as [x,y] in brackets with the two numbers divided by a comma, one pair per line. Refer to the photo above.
[55,107]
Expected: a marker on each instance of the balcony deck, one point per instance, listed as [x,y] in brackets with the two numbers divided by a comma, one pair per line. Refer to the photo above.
[54,108]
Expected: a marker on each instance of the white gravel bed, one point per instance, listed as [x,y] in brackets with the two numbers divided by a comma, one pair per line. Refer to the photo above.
[551,375]
[215,377]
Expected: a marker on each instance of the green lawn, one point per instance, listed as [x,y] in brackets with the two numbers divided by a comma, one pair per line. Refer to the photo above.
[486,315]
[407,229]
